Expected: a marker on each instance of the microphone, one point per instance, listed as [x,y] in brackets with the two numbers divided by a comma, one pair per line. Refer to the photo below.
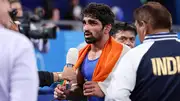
[71,59]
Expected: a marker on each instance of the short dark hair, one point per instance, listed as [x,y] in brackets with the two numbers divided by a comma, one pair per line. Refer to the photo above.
[154,14]
[124,26]
[99,11]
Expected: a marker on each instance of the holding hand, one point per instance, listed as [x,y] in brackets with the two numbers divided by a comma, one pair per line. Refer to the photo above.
[92,88]
[60,92]
[69,74]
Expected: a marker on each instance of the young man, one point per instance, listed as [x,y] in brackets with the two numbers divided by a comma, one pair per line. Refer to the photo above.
[124,33]
[18,70]
[96,60]
[150,71]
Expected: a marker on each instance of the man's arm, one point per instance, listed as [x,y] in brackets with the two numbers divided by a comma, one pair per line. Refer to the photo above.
[46,78]
[76,91]
[24,76]
[123,80]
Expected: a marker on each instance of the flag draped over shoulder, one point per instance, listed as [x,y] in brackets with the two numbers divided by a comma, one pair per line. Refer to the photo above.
[109,56]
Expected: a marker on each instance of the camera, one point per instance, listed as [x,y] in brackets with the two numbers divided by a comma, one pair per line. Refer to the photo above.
[29,19]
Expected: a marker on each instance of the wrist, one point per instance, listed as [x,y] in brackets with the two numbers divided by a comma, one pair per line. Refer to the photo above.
[59,76]
[55,76]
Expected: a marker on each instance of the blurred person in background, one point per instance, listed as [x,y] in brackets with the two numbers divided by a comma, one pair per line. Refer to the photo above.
[18,77]
[124,33]
[45,78]
[73,14]
[118,12]
[56,14]
[48,8]
[75,10]
[41,45]
[150,71]
[97,59]
[40,12]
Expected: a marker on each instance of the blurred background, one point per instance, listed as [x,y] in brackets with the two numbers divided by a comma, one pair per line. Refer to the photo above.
[66,14]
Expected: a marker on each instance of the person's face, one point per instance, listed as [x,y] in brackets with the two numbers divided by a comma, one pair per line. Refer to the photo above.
[17,6]
[126,37]
[141,30]
[93,30]
[56,15]
[5,6]
[5,19]
[74,2]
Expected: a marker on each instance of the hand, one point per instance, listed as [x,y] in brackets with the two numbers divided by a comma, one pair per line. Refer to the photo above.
[69,74]
[92,88]
[56,77]
[60,92]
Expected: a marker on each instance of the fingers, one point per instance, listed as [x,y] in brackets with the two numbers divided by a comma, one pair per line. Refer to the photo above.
[59,96]
[89,85]
[89,88]
[59,92]
[55,96]
[89,92]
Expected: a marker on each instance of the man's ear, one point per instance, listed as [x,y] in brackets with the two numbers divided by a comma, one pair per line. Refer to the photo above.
[107,28]
[142,24]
